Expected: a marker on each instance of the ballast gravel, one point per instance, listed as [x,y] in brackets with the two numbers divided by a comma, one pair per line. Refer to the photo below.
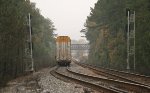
[43,82]
[50,84]
[76,68]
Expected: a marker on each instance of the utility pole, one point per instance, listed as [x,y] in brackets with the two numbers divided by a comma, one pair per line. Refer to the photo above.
[29,47]
[131,38]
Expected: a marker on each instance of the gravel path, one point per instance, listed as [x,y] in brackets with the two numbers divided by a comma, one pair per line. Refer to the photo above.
[42,82]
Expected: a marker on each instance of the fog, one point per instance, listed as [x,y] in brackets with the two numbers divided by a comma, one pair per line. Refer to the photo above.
[68,16]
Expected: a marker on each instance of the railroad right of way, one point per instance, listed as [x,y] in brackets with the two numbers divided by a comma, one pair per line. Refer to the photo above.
[101,84]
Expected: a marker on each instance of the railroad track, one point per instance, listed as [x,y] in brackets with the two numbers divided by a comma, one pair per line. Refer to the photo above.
[126,86]
[137,77]
[85,82]
[101,84]
[111,74]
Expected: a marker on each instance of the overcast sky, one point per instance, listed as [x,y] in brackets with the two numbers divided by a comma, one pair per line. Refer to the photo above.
[68,16]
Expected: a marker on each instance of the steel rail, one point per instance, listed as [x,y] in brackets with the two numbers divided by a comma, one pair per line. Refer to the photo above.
[132,87]
[97,87]
[131,75]
[109,74]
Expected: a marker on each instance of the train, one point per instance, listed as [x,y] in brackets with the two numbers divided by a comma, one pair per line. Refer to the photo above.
[63,50]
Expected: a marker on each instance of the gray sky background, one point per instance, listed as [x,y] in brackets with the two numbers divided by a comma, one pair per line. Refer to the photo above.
[68,16]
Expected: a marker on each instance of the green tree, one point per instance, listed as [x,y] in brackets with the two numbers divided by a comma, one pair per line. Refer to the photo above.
[107,34]
[13,28]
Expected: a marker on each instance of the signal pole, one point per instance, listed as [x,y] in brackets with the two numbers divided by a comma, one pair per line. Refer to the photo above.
[31,51]
[128,43]
[29,47]
[134,39]
[131,39]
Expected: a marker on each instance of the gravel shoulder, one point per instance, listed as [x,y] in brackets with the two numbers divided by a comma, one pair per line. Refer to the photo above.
[76,68]
[50,84]
[42,82]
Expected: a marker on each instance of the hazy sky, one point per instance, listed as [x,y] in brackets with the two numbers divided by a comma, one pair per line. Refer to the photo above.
[68,16]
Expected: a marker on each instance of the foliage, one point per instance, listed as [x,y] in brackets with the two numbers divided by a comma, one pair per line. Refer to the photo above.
[13,28]
[107,34]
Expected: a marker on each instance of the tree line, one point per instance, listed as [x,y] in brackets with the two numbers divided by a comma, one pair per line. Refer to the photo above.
[13,29]
[106,32]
